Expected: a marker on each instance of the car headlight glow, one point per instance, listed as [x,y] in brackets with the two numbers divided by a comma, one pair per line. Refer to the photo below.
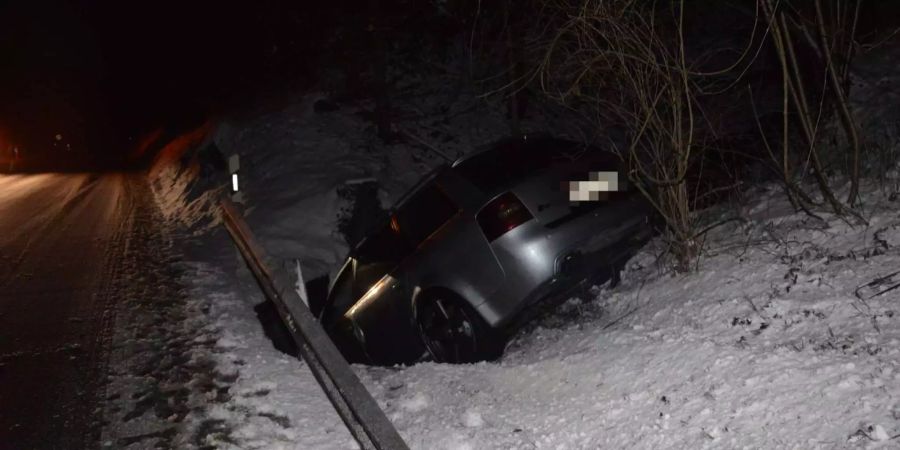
[370,295]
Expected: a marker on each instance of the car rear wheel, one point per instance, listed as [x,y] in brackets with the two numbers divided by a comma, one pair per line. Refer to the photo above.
[454,332]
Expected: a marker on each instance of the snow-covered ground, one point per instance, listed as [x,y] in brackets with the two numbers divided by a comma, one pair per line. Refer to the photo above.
[767,346]
[770,344]
[295,160]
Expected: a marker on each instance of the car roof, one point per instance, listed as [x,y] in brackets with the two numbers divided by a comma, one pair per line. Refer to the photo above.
[427,178]
[527,139]
[537,139]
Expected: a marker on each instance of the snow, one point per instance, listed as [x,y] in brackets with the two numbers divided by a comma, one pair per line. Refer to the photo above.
[294,160]
[766,346]
[268,384]
[293,199]
[472,419]
[185,199]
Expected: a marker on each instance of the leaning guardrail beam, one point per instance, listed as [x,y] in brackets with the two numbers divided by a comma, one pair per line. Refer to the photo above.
[355,405]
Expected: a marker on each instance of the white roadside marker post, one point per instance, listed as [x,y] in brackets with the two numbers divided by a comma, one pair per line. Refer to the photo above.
[234,166]
[237,197]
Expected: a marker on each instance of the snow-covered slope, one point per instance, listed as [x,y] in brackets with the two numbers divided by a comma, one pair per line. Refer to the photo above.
[295,159]
[292,163]
[767,346]
[185,194]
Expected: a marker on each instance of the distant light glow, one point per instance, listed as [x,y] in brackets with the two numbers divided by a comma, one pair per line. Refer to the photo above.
[234,182]
[395,224]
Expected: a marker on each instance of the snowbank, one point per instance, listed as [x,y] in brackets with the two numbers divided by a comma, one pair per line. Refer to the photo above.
[781,340]
[185,193]
[766,347]
[294,160]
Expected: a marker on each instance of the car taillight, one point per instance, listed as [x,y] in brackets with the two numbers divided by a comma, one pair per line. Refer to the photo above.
[502,215]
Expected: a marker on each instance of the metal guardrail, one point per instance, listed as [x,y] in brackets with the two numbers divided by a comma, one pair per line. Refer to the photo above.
[355,405]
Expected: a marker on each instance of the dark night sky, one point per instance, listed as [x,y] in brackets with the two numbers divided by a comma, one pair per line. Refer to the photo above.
[100,72]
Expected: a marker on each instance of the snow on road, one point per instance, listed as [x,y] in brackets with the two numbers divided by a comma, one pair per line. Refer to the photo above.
[767,346]
[62,239]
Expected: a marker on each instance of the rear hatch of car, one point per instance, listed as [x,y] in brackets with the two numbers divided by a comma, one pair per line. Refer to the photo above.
[541,173]
[569,189]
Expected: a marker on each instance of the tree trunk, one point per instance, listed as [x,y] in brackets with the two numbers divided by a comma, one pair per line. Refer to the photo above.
[513,52]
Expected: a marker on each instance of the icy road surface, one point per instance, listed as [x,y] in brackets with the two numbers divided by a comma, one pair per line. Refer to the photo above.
[62,237]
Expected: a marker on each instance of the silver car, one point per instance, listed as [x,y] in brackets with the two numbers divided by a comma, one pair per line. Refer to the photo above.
[470,250]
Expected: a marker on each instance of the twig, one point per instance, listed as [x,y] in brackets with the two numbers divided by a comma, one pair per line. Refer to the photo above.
[636,297]
[621,317]
[755,309]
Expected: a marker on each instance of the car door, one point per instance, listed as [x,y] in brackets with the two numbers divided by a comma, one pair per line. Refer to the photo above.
[457,256]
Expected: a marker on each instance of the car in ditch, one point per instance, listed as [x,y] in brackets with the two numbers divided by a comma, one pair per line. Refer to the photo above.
[463,257]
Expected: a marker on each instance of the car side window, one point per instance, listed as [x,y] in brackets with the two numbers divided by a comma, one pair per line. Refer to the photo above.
[425,212]
[384,245]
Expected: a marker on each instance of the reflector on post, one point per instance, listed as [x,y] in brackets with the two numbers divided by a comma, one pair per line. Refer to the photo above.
[234,165]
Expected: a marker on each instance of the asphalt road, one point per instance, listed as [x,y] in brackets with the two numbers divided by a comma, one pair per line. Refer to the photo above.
[61,236]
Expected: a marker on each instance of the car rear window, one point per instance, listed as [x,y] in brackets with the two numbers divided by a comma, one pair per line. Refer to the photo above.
[424,212]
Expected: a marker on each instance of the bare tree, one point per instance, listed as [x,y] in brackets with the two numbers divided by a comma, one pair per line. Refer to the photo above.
[617,60]
[831,41]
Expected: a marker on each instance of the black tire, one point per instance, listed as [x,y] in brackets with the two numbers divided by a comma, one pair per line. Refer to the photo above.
[453,332]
